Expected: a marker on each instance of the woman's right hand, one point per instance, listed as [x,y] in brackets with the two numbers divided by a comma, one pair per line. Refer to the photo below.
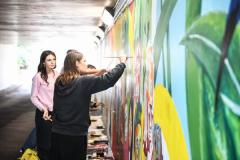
[123,58]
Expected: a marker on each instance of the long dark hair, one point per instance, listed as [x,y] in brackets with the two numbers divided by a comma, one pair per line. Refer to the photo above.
[70,71]
[41,66]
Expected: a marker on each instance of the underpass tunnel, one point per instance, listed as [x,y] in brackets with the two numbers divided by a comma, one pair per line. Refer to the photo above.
[27,28]
[179,96]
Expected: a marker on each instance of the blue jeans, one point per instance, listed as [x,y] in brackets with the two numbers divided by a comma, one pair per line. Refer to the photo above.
[31,141]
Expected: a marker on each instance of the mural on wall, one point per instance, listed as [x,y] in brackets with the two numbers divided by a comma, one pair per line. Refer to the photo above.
[180,95]
[208,39]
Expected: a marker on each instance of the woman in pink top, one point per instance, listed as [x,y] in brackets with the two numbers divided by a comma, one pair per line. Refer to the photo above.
[42,98]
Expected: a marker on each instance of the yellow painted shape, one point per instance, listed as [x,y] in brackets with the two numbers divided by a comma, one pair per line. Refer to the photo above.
[131,33]
[165,114]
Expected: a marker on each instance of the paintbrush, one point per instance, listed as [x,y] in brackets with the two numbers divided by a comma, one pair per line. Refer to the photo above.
[116,57]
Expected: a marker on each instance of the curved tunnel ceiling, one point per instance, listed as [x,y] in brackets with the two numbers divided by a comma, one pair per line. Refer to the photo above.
[28,21]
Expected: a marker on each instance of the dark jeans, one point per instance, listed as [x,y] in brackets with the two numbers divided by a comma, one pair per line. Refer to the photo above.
[31,141]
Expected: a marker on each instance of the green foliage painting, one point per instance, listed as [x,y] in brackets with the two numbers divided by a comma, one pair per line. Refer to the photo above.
[219,129]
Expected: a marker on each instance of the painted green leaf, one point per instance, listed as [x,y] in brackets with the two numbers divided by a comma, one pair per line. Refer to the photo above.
[161,30]
[204,39]
[193,78]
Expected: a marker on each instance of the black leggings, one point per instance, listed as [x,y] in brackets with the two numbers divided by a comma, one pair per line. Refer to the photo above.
[43,129]
[66,147]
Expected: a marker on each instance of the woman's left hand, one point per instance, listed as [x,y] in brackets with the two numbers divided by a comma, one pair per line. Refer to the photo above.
[46,117]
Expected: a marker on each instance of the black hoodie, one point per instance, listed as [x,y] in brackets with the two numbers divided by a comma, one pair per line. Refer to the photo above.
[71,102]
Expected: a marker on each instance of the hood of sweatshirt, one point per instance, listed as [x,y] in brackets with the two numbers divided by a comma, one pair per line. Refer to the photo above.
[63,90]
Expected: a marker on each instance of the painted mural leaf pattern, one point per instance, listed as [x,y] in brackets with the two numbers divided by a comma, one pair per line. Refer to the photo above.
[234,59]
[204,40]
[193,72]
[162,27]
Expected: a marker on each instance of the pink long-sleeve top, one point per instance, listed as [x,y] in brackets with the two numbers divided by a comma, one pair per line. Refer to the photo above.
[42,93]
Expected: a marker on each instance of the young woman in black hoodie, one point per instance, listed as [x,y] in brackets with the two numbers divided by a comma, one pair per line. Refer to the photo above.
[72,96]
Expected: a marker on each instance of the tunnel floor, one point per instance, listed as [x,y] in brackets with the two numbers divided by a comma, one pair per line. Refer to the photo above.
[16,121]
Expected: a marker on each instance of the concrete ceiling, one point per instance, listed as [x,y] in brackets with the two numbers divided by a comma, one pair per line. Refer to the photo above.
[28,21]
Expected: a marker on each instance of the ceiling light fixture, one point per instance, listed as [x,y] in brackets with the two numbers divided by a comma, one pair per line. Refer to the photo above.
[108,16]
[100,32]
